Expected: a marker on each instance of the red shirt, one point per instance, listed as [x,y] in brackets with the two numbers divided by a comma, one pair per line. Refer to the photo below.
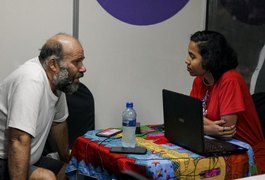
[230,94]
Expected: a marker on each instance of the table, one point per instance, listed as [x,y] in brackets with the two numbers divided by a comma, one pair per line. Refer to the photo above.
[90,156]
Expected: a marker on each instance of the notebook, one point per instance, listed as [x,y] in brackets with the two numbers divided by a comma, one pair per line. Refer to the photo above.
[183,125]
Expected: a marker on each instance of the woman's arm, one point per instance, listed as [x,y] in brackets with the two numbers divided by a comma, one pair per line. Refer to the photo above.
[224,128]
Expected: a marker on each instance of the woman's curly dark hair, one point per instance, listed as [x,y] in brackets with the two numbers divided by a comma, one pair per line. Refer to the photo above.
[217,55]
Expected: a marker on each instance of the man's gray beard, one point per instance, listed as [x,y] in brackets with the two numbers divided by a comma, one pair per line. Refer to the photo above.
[63,83]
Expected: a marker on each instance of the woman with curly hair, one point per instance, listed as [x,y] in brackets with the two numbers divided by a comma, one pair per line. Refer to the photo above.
[228,107]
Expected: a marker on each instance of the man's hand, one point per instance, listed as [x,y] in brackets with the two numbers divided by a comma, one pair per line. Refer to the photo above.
[18,153]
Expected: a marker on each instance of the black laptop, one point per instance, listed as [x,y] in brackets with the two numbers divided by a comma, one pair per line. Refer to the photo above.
[183,123]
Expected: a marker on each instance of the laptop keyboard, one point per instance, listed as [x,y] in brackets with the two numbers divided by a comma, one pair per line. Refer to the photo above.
[213,146]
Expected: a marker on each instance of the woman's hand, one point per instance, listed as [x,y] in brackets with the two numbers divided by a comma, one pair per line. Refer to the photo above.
[221,128]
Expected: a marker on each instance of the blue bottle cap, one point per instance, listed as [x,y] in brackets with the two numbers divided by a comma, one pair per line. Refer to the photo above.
[129,104]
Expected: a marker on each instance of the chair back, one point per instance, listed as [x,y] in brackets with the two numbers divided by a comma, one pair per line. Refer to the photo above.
[81,113]
[259,101]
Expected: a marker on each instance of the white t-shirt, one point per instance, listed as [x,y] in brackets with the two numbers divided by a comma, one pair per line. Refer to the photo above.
[27,103]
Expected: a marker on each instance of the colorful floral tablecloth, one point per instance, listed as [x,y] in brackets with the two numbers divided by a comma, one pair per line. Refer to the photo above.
[91,157]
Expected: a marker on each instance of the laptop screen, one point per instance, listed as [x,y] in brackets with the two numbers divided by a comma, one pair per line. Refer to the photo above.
[183,120]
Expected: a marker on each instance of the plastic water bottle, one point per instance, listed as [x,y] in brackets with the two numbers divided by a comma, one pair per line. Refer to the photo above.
[128,126]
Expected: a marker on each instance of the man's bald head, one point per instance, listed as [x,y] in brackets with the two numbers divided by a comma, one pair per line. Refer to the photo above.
[58,46]
[68,42]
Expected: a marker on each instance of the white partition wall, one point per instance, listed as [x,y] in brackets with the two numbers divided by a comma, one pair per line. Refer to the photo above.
[130,62]
[26,25]
[124,61]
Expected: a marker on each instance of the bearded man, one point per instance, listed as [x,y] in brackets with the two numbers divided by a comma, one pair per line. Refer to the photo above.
[33,104]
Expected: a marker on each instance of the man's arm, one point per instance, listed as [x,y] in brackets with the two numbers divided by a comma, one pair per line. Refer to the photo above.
[18,153]
[59,135]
